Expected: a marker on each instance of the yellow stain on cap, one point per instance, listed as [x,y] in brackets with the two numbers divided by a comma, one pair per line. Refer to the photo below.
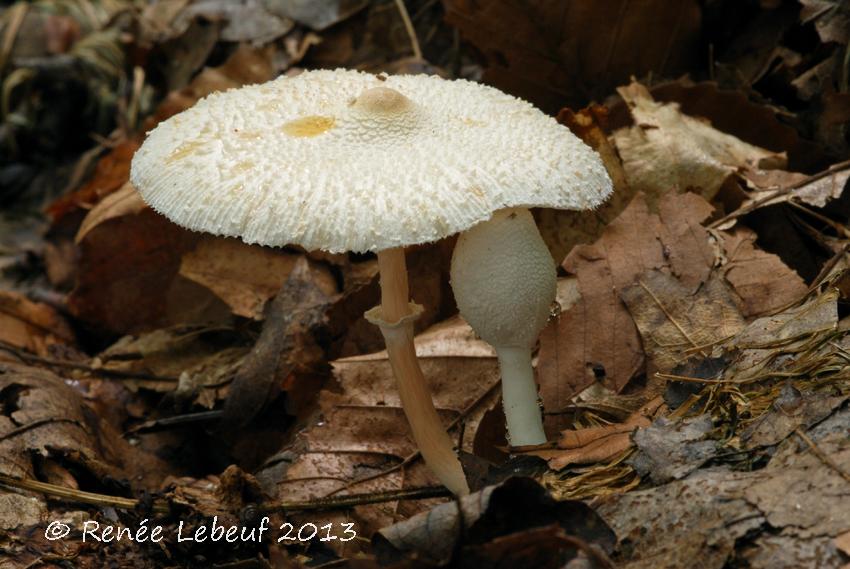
[184,150]
[308,126]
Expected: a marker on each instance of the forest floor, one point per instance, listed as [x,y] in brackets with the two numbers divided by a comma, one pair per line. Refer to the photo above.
[695,376]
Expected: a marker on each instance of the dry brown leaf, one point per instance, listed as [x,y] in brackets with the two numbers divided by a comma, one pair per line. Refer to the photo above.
[244,277]
[762,281]
[362,429]
[139,271]
[674,320]
[111,173]
[732,111]
[778,424]
[317,15]
[667,149]
[250,21]
[192,354]
[567,53]
[125,200]
[598,444]
[817,190]
[599,450]
[45,428]
[596,339]
[461,369]
[127,280]
[831,18]
[31,325]
[492,513]
[286,344]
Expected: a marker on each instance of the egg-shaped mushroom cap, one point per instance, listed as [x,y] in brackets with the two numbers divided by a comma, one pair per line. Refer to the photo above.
[348,161]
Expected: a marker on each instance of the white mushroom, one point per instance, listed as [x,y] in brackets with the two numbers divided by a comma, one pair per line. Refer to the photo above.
[348,161]
[504,282]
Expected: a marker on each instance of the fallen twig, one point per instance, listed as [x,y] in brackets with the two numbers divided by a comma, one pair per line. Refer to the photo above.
[50,362]
[822,455]
[163,506]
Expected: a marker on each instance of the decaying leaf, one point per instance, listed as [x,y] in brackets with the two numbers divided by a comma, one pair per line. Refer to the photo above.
[31,325]
[127,278]
[667,149]
[486,515]
[668,450]
[762,281]
[244,21]
[673,320]
[245,277]
[734,112]
[46,429]
[598,444]
[586,53]
[831,18]
[696,521]
[596,339]
[361,437]
[139,271]
[190,360]
[779,422]
[774,187]
[285,343]
[111,173]
[316,14]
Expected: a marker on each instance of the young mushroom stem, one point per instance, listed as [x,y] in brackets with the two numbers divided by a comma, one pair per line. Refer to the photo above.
[395,317]
[504,283]
[519,396]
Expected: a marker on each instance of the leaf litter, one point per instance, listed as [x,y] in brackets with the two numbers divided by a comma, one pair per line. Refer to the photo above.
[694,379]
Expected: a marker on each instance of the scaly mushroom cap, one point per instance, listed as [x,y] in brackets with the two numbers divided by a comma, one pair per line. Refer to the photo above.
[349,161]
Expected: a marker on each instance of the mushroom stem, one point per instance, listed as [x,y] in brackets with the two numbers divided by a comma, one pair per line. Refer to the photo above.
[519,397]
[395,293]
[395,317]
[504,282]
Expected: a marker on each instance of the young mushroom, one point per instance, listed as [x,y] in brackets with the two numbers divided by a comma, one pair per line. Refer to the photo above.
[348,161]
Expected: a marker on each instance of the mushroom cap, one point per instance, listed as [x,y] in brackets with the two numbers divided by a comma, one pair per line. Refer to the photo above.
[348,161]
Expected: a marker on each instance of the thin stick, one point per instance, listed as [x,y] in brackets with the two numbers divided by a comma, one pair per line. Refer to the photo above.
[411,31]
[842,230]
[34,425]
[667,314]
[822,455]
[50,362]
[349,500]
[16,13]
[163,507]
[157,425]
[779,193]
[74,495]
